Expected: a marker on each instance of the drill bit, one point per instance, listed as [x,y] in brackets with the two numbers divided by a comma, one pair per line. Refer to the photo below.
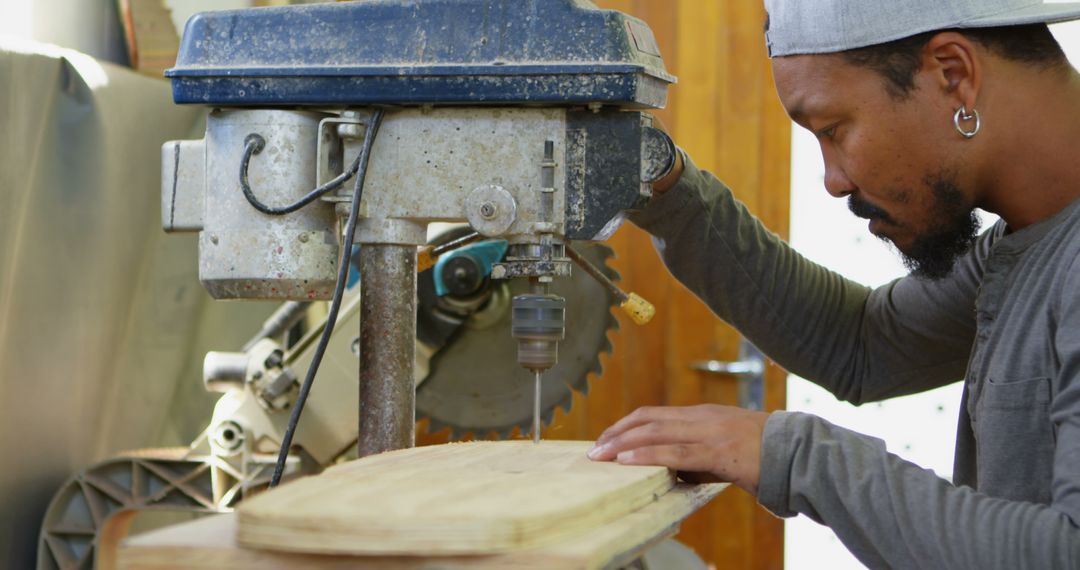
[536,410]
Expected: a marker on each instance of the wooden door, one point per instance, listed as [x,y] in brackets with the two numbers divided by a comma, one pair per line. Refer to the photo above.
[725,113]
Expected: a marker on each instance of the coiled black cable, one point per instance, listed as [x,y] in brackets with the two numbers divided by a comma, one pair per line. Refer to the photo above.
[360,164]
[254,144]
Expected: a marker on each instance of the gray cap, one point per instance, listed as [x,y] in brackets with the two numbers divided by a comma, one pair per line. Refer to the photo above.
[829,26]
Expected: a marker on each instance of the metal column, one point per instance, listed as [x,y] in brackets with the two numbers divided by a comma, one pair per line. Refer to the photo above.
[387,343]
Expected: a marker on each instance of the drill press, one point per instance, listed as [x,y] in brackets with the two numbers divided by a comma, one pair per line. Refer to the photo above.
[521,119]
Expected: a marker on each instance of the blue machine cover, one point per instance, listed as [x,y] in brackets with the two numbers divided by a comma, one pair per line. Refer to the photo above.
[551,52]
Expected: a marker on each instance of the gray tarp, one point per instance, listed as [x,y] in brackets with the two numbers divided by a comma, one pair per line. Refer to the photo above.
[102,320]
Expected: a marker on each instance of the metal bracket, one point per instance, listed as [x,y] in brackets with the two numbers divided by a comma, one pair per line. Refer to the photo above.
[329,149]
[749,370]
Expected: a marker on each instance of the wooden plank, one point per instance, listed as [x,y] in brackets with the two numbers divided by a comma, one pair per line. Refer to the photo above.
[478,497]
[210,544]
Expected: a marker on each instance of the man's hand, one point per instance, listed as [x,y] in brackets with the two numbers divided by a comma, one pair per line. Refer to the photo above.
[706,442]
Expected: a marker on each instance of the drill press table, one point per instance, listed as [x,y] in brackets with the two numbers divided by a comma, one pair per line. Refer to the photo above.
[501,514]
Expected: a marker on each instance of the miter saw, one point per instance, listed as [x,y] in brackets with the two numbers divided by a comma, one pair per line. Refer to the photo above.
[354,126]
[466,374]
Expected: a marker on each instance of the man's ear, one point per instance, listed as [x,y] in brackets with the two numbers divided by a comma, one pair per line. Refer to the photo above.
[955,66]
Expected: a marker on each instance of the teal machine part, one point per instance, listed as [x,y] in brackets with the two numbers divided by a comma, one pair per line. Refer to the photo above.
[464,270]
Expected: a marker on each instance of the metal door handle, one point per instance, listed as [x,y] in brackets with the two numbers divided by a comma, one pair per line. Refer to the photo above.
[749,370]
[738,368]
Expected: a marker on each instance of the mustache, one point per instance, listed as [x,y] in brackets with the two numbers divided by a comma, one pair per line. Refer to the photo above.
[863,209]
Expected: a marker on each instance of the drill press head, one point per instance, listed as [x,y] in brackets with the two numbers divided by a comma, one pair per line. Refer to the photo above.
[523,119]
[520,118]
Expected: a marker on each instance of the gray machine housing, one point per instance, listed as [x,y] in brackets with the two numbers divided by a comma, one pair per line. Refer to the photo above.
[485,166]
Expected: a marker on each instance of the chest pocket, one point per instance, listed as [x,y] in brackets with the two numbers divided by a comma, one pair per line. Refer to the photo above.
[1015,440]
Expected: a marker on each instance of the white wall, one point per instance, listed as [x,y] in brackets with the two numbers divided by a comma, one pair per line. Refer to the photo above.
[919,428]
[90,26]
[16,18]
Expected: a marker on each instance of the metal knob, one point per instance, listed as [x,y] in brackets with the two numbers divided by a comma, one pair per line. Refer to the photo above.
[737,368]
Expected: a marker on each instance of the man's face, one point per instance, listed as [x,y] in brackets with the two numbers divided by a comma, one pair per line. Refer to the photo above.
[895,160]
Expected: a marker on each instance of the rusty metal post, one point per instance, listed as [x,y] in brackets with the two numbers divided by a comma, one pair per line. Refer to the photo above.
[387,343]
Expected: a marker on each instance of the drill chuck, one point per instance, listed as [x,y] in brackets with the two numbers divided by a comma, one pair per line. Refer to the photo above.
[538,323]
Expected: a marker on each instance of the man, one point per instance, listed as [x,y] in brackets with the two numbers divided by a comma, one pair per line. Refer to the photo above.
[924,110]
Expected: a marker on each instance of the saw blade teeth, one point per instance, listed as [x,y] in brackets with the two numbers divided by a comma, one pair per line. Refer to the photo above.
[612,323]
[583,388]
[567,403]
[434,426]
[587,371]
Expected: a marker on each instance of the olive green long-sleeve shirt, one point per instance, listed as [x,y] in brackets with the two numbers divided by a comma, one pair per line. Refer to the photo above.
[1006,320]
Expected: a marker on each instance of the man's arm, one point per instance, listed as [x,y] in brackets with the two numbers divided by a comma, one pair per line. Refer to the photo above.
[894,514]
[905,337]
[890,513]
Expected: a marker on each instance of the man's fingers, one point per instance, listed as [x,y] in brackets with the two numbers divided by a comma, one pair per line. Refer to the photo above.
[692,457]
[655,432]
[720,441]
[641,416]
[634,419]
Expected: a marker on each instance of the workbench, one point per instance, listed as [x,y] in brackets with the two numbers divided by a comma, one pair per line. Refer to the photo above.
[210,543]
[512,522]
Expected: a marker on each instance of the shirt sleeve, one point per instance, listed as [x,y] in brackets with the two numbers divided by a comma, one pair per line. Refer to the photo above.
[861,344]
[894,514]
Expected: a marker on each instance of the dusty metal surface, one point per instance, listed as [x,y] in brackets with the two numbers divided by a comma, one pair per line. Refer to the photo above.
[427,164]
[242,252]
[387,345]
[532,176]
[183,185]
[604,165]
[434,51]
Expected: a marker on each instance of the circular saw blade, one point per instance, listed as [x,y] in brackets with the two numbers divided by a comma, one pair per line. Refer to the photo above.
[476,385]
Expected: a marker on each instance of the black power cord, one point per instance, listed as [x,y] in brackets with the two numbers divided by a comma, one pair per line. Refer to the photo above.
[360,169]
[254,144]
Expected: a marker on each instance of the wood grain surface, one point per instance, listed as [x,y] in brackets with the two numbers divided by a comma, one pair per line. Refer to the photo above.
[478,498]
[209,544]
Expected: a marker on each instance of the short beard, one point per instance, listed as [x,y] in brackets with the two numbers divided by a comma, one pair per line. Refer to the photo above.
[956,227]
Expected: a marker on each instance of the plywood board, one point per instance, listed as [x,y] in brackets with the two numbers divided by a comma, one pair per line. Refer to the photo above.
[209,544]
[479,498]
